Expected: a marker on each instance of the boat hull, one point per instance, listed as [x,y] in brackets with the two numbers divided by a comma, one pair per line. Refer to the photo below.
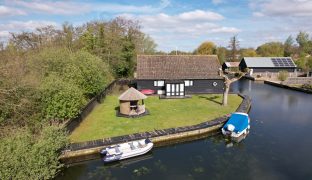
[127,155]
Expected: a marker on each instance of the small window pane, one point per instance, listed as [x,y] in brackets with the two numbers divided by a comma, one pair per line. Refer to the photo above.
[155,83]
[168,87]
[181,87]
[161,83]
[187,83]
[191,83]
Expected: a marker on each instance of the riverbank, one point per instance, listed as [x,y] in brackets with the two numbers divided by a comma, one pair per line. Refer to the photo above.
[288,87]
[76,152]
[102,122]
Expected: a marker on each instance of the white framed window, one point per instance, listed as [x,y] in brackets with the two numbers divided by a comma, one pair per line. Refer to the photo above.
[168,88]
[181,87]
[188,83]
[159,83]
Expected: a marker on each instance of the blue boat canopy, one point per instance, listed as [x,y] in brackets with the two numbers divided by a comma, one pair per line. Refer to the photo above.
[239,121]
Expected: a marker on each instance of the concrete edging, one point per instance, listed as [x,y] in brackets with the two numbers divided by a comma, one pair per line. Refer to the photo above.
[75,150]
[288,87]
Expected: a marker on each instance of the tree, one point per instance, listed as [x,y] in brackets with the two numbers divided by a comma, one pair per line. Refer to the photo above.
[249,52]
[271,49]
[206,48]
[303,41]
[234,47]
[222,54]
[227,82]
[289,46]
[68,32]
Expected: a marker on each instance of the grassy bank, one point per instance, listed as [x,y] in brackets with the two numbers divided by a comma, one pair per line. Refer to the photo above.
[102,121]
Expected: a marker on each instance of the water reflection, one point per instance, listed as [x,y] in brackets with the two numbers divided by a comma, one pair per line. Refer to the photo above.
[277,147]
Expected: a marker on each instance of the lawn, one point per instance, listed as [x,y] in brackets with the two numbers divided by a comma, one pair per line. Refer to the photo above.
[165,113]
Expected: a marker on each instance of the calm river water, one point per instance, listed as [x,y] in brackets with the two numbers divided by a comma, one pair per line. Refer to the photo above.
[279,146]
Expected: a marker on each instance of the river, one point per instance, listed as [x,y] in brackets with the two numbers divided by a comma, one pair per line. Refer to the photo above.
[279,146]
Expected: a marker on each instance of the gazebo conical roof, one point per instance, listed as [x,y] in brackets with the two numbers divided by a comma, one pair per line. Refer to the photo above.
[132,95]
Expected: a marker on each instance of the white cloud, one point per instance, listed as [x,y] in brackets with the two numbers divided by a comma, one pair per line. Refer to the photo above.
[182,29]
[52,7]
[200,15]
[25,25]
[195,22]
[217,1]
[283,8]
[4,34]
[18,26]
[74,7]
[121,8]
[8,11]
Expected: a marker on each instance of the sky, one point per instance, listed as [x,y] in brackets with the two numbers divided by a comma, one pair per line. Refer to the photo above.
[173,24]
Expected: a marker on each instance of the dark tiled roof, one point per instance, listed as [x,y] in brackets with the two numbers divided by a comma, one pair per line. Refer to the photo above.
[178,67]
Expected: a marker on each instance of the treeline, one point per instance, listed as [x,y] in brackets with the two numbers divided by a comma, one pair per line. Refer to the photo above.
[47,76]
[299,48]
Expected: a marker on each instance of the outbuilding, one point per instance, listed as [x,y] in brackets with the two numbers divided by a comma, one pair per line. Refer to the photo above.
[267,64]
[177,75]
[230,66]
[130,103]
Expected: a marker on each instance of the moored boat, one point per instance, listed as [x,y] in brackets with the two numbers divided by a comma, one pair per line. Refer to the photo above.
[237,125]
[126,150]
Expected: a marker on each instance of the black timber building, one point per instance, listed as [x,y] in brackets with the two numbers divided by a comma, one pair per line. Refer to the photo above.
[177,75]
[268,64]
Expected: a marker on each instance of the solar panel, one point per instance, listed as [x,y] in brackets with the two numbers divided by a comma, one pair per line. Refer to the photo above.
[282,62]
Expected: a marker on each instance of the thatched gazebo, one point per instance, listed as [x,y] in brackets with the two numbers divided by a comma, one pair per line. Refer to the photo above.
[129,102]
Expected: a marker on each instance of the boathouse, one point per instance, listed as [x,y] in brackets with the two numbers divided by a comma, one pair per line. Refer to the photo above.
[268,64]
[177,75]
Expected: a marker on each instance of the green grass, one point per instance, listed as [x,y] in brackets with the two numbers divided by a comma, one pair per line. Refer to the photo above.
[166,113]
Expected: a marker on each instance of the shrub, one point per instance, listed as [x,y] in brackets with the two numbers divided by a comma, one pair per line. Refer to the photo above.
[60,100]
[282,75]
[24,156]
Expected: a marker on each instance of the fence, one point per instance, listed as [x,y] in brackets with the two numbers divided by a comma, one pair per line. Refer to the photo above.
[74,122]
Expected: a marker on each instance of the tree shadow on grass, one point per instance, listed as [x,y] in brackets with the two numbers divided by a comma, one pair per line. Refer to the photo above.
[212,99]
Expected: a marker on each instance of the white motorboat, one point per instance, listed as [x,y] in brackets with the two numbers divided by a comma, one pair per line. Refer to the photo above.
[126,150]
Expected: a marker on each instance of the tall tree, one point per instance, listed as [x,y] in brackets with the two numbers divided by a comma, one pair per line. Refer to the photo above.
[271,49]
[234,48]
[289,46]
[206,48]
[68,31]
[303,41]
[222,54]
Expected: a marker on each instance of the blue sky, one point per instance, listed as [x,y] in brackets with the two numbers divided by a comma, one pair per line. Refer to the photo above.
[181,24]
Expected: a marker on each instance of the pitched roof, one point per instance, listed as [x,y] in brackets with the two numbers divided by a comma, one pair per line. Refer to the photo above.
[232,64]
[178,67]
[132,95]
[269,62]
